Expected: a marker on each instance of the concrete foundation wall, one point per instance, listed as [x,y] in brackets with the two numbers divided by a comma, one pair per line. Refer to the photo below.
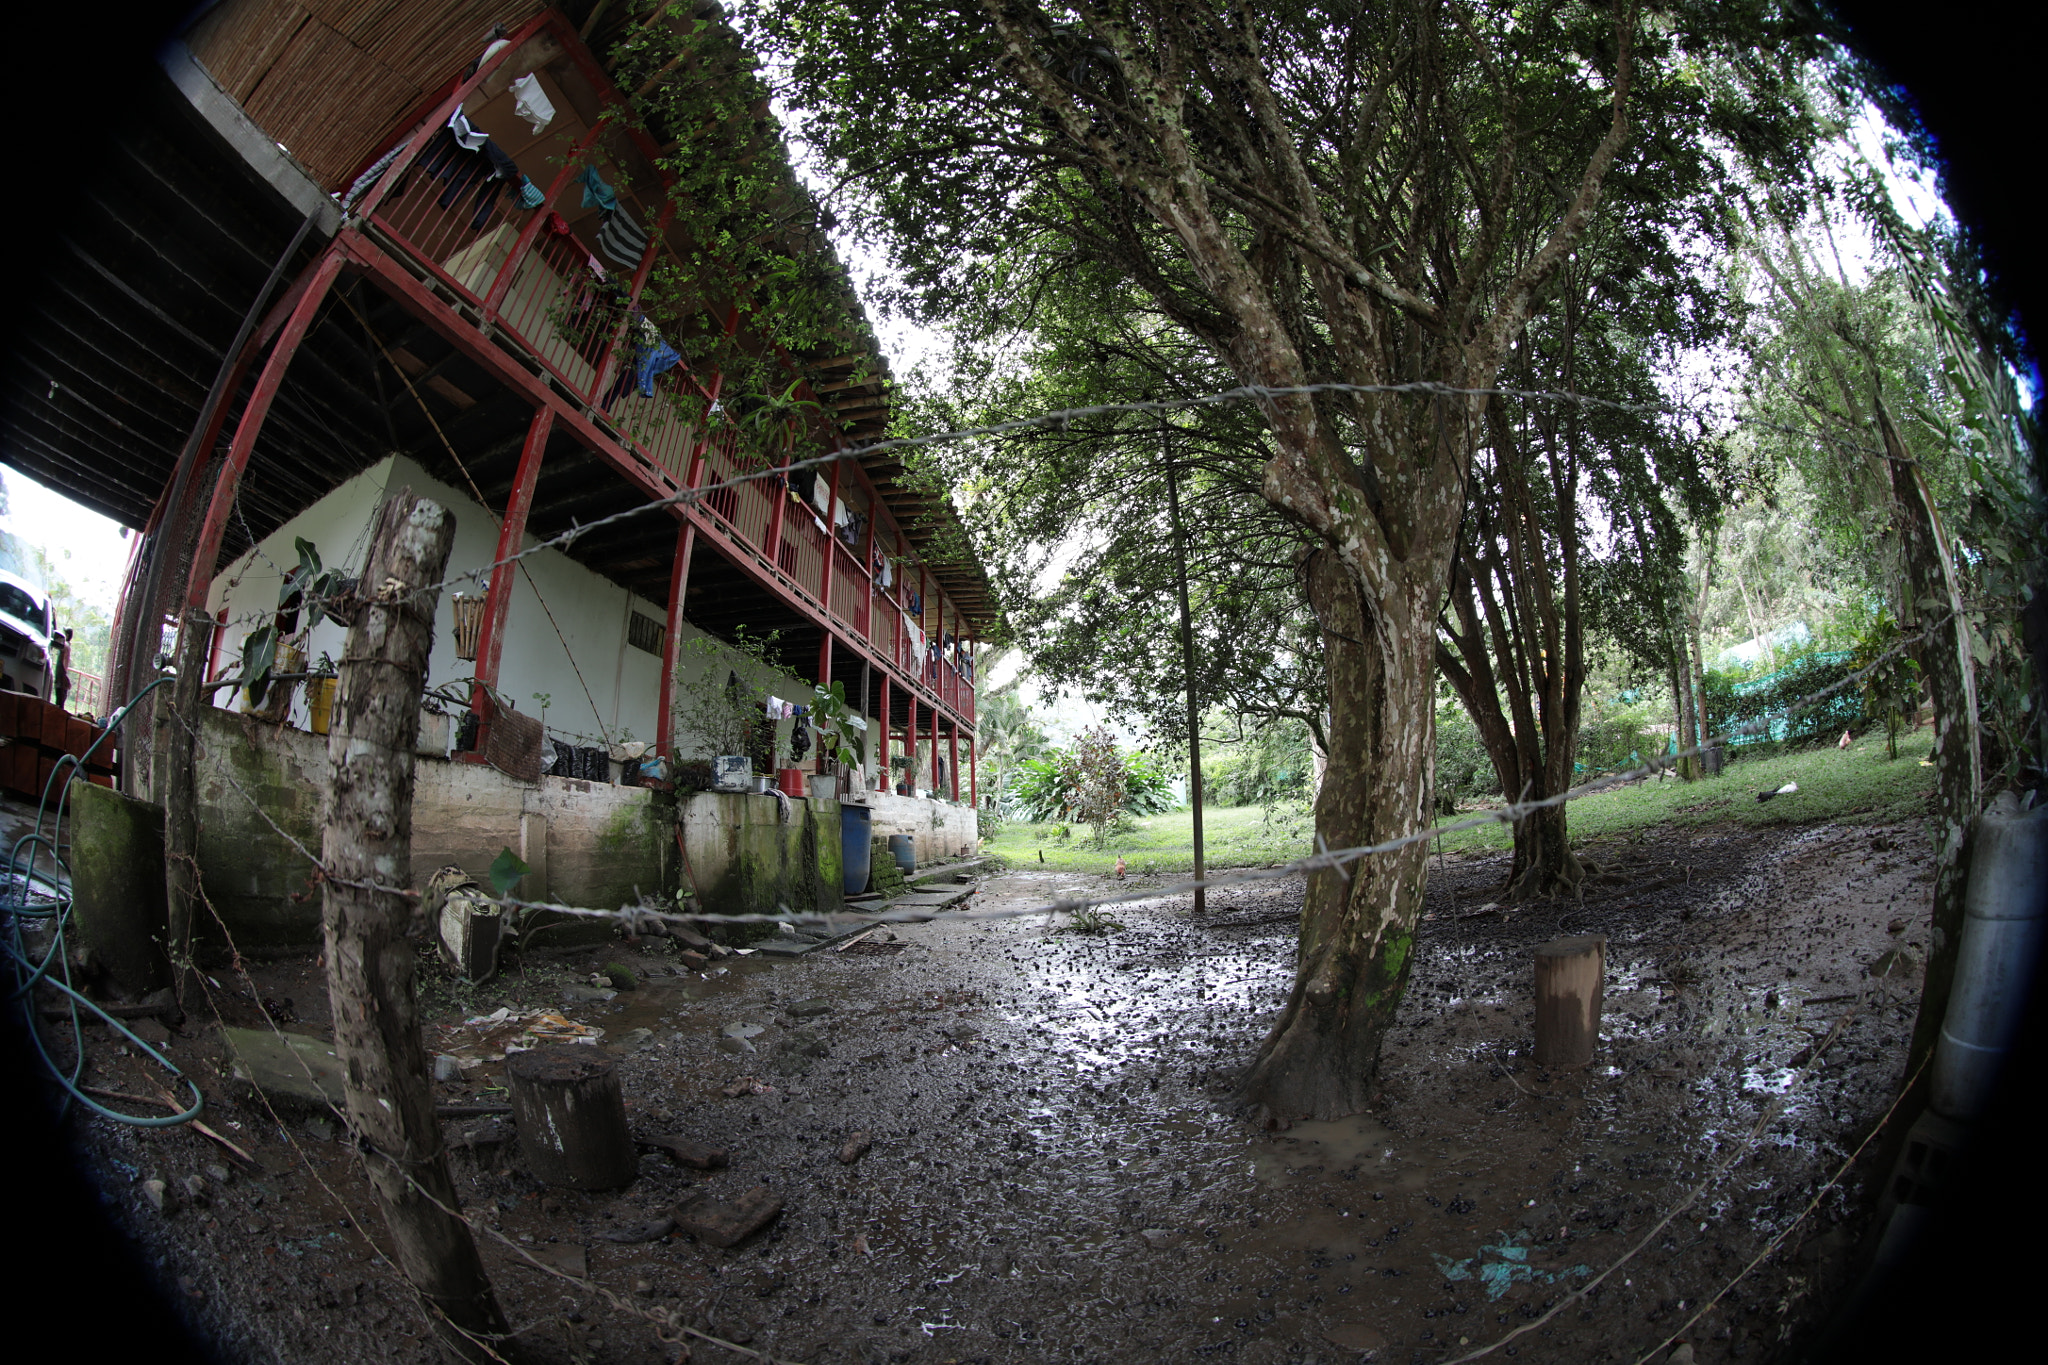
[745,858]
[589,844]
[940,828]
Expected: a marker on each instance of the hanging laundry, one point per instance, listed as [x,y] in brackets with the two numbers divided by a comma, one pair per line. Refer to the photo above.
[531,102]
[596,194]
[773,708]
[622,238]
[530,194]
[821,493]
[651,363]
[802,481]
[471,139]
[558,225]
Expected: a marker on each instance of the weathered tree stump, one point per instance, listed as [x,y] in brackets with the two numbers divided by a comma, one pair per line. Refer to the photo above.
[1569,977]
[572,1117]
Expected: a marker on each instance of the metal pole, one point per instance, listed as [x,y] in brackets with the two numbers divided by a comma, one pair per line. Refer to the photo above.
[1187,652]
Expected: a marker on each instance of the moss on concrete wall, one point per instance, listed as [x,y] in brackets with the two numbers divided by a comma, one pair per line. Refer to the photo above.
[744,859]
[590,843]
[117,889]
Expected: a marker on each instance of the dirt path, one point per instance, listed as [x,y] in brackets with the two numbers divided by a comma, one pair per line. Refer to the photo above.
[1057,1172]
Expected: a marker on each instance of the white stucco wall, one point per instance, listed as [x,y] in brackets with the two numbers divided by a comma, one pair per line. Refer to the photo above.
[591,611]
[623,683]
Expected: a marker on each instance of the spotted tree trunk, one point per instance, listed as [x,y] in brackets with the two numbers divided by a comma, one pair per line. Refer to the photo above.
[1358,923]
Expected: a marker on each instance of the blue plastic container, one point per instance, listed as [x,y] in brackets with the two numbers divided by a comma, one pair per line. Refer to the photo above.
[856,825]
[904,850]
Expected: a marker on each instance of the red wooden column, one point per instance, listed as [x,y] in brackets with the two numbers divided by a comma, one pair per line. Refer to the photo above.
[953,763]
[882,763]
[671,635]
[678,583]
[206,552]
[935,751]
[973,777]
[490,642]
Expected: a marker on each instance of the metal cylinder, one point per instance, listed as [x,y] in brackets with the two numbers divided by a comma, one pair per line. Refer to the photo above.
[2005,910]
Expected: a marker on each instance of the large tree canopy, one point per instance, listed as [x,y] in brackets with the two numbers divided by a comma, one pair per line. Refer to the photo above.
[1313,194]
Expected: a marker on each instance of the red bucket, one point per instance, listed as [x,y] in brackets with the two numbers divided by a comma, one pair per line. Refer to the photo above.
[792,782]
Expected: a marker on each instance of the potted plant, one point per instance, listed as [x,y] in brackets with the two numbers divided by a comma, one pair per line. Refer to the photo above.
[842,735]
[273,655]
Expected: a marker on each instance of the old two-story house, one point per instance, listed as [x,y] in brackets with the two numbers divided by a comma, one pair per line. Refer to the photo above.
[344,248]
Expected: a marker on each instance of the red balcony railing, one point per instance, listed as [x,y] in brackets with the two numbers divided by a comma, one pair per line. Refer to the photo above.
[885,630]
[541,289]
[746,507]
[849,590]
[801,556]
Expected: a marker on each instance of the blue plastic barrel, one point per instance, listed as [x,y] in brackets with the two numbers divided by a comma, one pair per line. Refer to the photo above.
[855,834]
[904,850]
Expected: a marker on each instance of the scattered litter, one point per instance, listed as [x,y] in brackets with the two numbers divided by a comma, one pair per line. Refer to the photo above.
[1501,1266]
[504,1032]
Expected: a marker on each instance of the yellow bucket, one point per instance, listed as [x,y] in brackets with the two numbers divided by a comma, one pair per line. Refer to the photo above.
[320,702]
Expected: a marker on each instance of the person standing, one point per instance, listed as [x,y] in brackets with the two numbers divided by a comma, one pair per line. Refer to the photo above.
[60,665]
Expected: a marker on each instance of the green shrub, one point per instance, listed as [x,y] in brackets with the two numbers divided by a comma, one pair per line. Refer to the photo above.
[1611,745]
[1463,771]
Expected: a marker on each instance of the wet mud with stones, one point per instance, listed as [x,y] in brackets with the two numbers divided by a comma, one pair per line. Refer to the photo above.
[1057,1170]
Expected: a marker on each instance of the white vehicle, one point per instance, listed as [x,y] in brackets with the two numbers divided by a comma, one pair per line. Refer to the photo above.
[26,620]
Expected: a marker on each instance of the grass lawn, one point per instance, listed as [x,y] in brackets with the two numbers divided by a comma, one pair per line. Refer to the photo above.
[1858,786]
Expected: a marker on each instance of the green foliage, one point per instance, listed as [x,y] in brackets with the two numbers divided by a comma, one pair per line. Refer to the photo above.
[506,871]
[1271,764]
[718,709]
[1892,690]
[1757,707]
[741,226]
[1092,783]
[840,732]
[1464,771]
[311,591]
[1611,745]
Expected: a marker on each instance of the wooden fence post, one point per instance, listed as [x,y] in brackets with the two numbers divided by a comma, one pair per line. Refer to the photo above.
[177,752]
[367,847]
[1570,973]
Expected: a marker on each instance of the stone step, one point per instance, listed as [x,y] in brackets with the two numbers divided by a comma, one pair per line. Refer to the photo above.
[945,872]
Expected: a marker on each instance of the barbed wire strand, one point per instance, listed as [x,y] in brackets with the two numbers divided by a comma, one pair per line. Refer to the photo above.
[1513,812]
[1786,1231]
[1061,418]
[1713,1177]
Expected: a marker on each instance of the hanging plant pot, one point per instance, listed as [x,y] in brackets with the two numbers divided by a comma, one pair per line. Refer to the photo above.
[320,703]
[469,624]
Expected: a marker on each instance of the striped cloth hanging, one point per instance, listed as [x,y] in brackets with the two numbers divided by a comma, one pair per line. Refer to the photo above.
[622,238]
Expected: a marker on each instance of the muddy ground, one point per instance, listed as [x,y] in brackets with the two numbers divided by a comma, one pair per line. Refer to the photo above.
[1057,1171]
